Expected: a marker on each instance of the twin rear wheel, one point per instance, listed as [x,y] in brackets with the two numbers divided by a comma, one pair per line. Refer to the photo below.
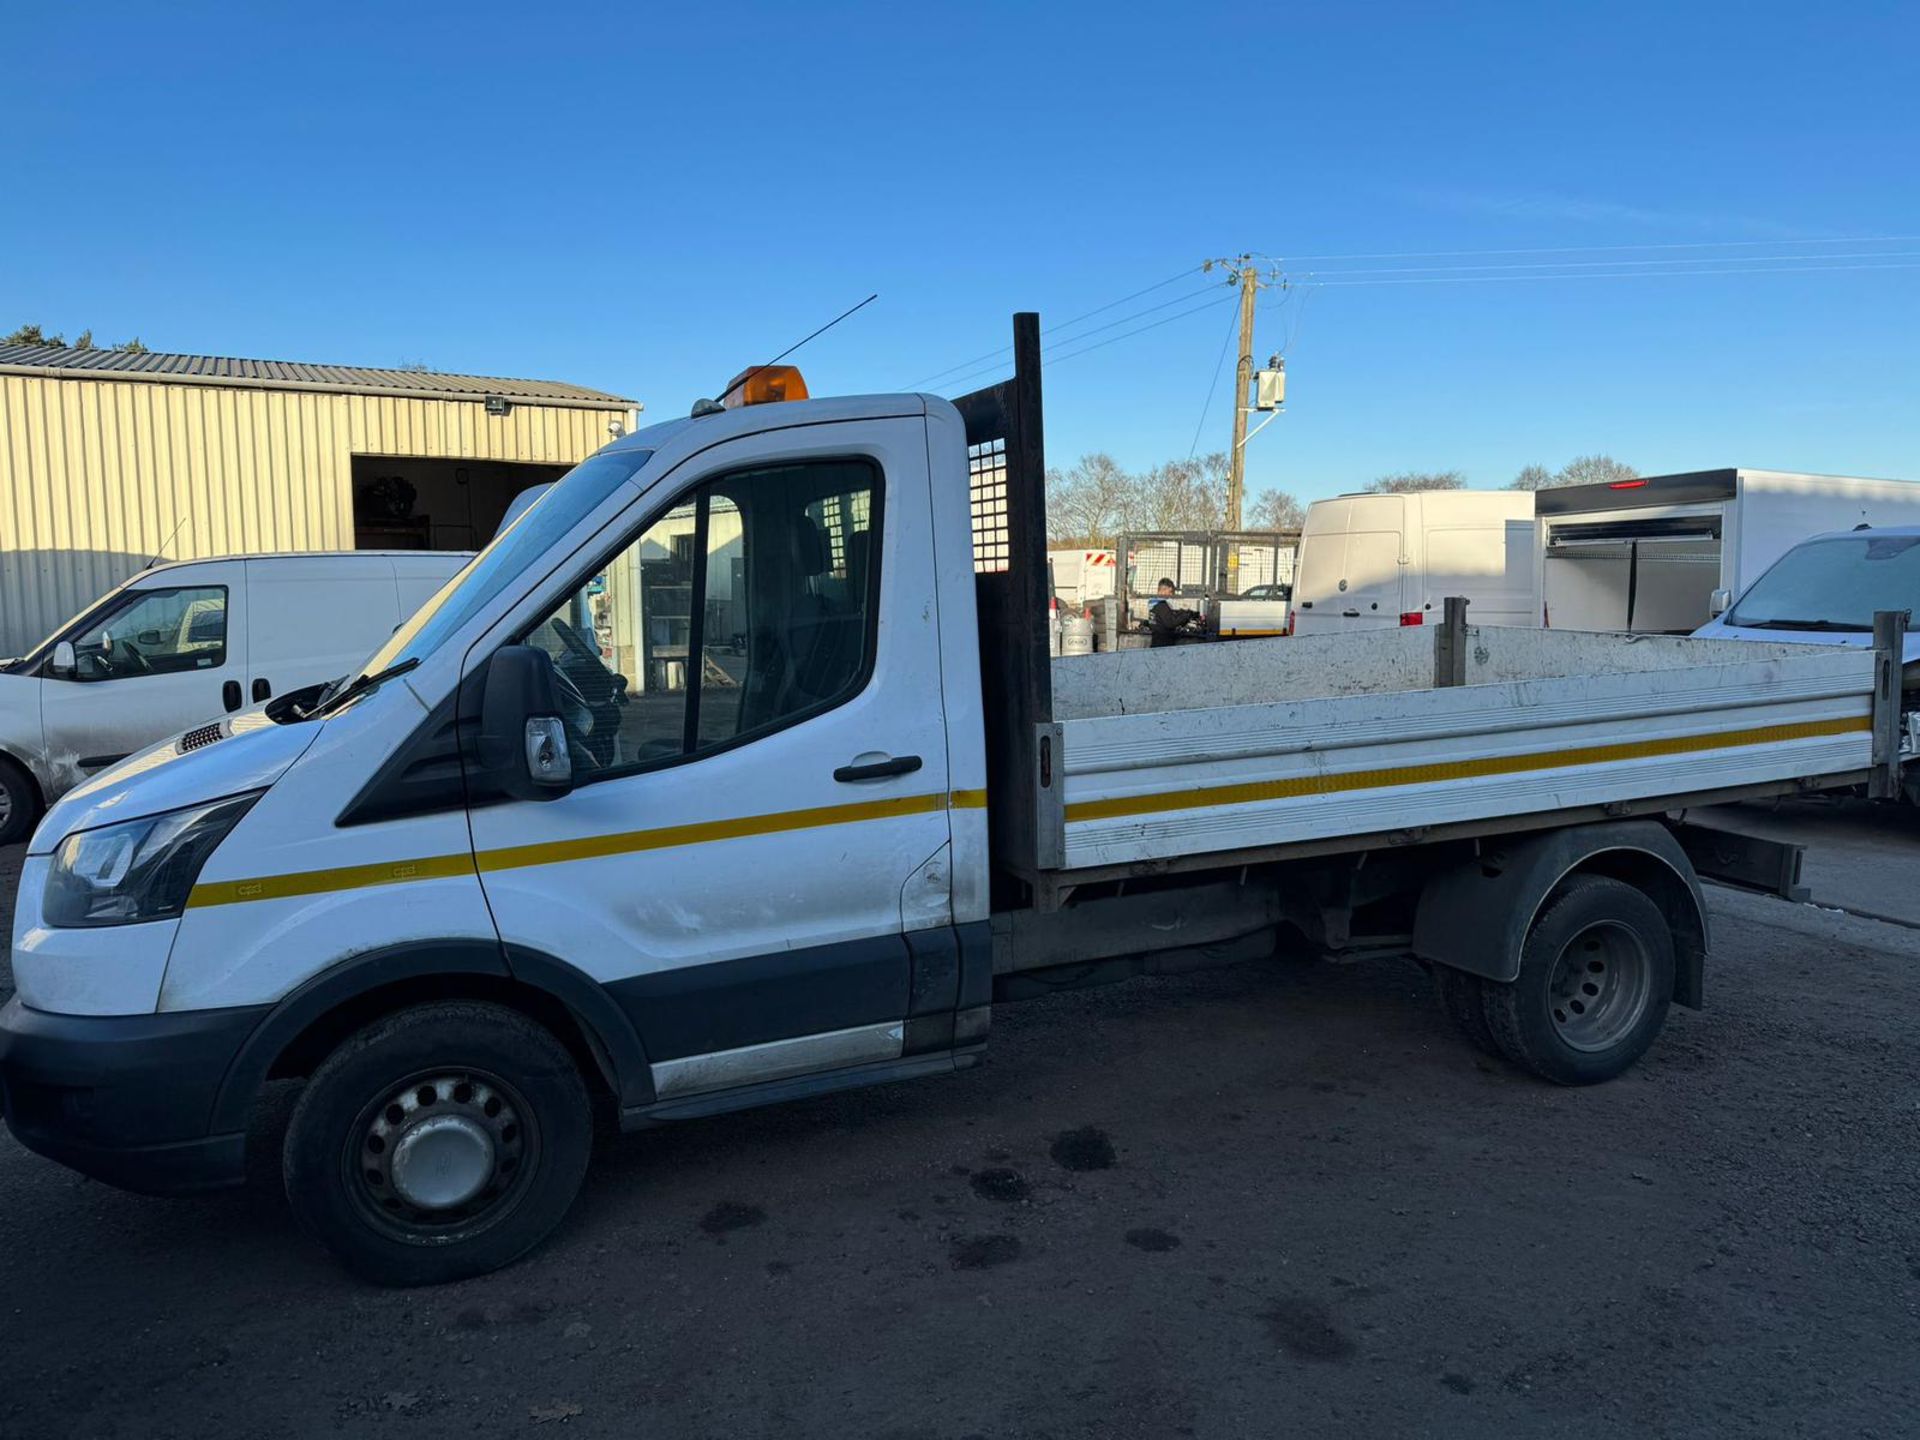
[440,1142]
[1596,977]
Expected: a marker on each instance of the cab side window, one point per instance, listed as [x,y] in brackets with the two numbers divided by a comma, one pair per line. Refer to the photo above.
[748,606]
[161,632]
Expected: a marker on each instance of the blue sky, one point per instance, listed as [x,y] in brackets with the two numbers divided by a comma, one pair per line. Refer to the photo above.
[647,201]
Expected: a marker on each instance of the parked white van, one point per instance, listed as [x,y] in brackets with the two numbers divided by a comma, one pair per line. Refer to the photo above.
[180,644]
[1378,560]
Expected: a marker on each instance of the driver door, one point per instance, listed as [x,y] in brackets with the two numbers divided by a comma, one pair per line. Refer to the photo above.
[759,814]
[163,660]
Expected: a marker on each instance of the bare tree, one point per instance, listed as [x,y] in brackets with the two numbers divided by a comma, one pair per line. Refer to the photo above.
[1091,503]
[1533,477]
[1408,482]
[1182,495]
[1275,510]
[1095,501]
[1581,470]
[1594,470]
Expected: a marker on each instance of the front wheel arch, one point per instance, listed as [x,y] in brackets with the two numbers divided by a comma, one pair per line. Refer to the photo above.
[298,1034]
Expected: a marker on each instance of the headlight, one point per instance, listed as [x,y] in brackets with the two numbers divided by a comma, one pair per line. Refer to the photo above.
[141,870]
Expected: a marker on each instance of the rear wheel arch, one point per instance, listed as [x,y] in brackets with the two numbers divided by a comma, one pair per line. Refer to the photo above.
[1677,894]
[1476,916]
[298,1034]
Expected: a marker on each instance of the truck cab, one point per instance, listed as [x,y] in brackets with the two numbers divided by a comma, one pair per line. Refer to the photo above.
[732,626]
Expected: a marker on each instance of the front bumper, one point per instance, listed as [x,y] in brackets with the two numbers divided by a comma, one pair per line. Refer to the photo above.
[127,1099]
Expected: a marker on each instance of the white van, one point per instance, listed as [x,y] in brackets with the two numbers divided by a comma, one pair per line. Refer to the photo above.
[179,644]
[1376,560]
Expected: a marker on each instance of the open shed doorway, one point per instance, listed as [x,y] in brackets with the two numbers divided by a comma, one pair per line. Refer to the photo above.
[404,503]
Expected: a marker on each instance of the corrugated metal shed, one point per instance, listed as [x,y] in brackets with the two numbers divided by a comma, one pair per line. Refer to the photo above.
[103,465]
[60,362]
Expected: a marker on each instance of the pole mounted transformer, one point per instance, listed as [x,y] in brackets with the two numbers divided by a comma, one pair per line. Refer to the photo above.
[1266,390]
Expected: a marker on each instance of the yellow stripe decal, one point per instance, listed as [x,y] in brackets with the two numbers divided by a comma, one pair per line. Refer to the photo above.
[442,867]
[1472,769]
[319,882]
[592,847]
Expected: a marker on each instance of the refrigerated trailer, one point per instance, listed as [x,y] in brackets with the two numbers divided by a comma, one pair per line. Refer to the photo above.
[492,883]
[1662,554]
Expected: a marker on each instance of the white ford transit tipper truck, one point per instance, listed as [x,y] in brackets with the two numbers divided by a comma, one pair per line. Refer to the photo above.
[736,770]
[183,643]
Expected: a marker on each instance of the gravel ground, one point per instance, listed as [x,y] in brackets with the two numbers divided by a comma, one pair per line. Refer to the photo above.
[1279,1198]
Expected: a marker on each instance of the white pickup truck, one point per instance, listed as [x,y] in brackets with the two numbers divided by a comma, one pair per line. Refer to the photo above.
[736,771]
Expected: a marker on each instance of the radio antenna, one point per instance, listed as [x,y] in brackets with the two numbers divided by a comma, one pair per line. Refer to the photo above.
[714,407]
[166,542]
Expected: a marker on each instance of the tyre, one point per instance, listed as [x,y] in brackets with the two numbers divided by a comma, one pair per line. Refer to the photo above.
[439,1142]
[19,803]
[1462,998]
[1596,977]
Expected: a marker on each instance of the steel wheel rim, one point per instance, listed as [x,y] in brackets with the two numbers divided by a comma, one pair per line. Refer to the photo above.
[441,1155]
[1600,987]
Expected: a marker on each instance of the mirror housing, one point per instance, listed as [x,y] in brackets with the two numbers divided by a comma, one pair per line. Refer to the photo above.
[523,743]
[1719,602]
[63,664]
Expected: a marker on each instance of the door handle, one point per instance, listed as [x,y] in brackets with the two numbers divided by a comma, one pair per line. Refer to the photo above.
[1349,614]
[261,689]
[879,769]
[230,695]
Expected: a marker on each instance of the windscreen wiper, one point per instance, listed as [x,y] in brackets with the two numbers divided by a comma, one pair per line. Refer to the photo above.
[363,684]
[1823,625]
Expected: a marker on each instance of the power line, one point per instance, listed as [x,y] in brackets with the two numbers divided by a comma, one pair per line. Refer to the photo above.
[1063,325]
[1598,249]
[1128,335]
[998,361]
[999,357]
[1612,275]
[1672,262]
[1225,341]
[1099,344]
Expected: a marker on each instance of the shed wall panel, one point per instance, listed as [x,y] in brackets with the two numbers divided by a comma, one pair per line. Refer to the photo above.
[97,477]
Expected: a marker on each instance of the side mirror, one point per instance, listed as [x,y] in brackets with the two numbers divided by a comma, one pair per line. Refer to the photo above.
[1719,602]
[63,663]
[523,743]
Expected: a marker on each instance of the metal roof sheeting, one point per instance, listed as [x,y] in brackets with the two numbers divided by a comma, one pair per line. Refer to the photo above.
[58,362]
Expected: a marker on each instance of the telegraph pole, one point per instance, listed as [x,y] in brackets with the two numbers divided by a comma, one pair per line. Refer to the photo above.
[1272,382]
[1249,280]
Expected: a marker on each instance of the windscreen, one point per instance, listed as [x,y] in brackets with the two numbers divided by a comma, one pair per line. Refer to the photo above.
[93,611]
[1835,584]
[520,545]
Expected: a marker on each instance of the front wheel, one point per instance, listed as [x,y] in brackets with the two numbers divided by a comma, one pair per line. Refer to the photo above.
[19,803]
[1596,977]
[439,1142]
